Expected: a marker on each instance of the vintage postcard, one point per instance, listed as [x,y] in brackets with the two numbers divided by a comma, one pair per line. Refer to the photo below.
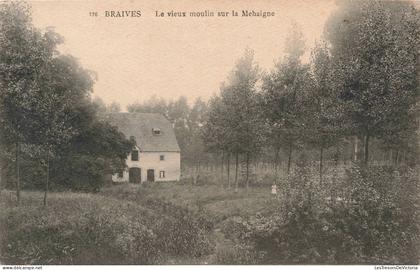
[210,132]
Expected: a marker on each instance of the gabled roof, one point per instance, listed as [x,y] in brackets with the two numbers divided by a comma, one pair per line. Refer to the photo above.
[141,126]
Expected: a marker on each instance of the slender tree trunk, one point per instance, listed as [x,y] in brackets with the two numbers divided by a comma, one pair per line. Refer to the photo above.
[403,158]
[356,150]
[366,150]
[197,171]
[395,157]
[276,165]
[289,162]
[221,168]
[247,171]
[390,157]
[321,154]
[228,170]
[337,160]
[236,171]
[47,179]
[1,179]
[18,172]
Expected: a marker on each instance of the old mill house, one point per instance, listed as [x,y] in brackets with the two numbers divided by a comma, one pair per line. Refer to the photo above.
[156,156]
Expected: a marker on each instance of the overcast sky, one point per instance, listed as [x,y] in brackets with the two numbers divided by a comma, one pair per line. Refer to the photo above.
[136,58]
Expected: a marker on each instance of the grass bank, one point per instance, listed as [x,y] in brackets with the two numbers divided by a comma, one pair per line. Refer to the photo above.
[78,228]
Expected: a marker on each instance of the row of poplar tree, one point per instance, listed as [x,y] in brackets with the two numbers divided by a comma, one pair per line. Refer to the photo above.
[361,83]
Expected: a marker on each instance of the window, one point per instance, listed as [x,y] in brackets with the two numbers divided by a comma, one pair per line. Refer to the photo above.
[120,174]
[162,157]
[156,131]
[162,174]
[135,155]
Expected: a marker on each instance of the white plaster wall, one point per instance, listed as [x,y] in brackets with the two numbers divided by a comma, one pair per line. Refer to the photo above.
[151,160]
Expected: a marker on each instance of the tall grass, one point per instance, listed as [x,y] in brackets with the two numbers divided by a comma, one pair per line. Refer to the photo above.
[93,229]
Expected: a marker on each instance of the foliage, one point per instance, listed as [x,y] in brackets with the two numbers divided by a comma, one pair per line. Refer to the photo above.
[46,111]
[284,93]
[365,223]
[239,98]
[323,114]
[98,150]
[91,229]
[374,46]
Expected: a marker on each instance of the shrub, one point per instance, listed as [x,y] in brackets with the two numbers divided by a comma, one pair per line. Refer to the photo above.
[379,214]
[373,221]
[91,229]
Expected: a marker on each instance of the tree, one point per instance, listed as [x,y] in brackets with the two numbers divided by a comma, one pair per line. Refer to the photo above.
[45,97]
[214,131]
[242,122]
[152,105]
[24,54]
[375,50]
[100,105]
[283,96]
[94,152]
[322,109]
[114,107]
[63,86]
[194,149]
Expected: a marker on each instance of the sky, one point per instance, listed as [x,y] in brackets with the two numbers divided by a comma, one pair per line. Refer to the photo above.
[138,57]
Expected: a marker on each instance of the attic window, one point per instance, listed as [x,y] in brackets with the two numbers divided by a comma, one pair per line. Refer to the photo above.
[156,131]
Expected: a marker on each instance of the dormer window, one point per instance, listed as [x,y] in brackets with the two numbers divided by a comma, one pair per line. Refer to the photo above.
[156,131]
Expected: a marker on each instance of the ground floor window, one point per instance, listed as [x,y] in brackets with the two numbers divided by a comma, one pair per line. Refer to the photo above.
[162,174]
[120,174]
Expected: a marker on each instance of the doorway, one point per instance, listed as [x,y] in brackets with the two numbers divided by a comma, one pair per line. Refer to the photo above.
[151,175]
[134,175]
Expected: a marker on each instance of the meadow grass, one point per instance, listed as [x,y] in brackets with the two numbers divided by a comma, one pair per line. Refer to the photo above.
[181,223]
[154,223]
[219,202]
[81,228]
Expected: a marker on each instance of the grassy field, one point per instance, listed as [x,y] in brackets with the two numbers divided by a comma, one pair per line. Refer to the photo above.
[159,223]
[218,202]
[181,223]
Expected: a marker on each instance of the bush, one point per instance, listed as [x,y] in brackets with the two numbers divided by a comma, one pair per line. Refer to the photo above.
[184,232]
[371,220]
[379,214]
[91,229]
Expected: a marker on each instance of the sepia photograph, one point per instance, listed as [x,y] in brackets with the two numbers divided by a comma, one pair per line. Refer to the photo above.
[210,132]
